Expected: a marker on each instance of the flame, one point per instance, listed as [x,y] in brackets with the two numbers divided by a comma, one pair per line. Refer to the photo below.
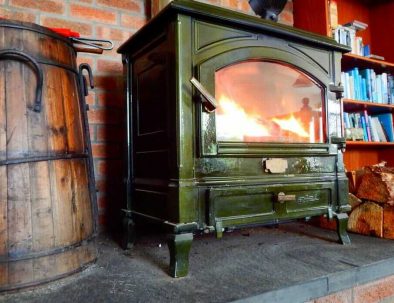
[292,125]
[235,123]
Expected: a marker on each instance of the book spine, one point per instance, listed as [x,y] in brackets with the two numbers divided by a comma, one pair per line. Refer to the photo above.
[364,127]
[384,88]
[369,83]
[374,87]
[357,84]
[367,126]
[374,132]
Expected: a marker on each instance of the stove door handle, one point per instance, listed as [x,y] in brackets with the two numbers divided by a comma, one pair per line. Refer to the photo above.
[210,102]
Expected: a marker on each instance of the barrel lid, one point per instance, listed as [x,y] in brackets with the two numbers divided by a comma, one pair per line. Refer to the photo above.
[33,27]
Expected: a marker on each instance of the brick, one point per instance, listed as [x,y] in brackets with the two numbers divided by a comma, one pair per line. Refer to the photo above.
[109,66]
[375,291]
[110,133]
[104,116]
[286,18]
[111,99]
[339,297]
[241,5]
[108,82]
[106,151]
[104,32]
[82,58]
[91,98]
[102,202]
[104,167]
[82,28]
[101,186]
[50,6]
[16,15]
[92,132]
[93,14]
[130,5]
[113,54]
[132,22]
[83,1]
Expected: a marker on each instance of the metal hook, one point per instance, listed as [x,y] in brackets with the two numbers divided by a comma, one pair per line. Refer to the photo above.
[15,54]
[82,79]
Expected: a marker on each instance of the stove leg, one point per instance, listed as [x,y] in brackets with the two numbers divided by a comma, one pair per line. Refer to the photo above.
[128,233]
[342,220]
[179,246]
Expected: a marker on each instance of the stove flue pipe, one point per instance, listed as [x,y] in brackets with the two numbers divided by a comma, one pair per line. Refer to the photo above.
[268,9]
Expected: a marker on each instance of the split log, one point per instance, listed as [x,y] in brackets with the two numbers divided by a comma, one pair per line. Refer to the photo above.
[377,185]
[367,219]
[388,222]
[354,201]
[355,177]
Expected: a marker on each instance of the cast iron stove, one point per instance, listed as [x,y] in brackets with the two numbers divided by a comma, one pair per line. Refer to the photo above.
[232,121]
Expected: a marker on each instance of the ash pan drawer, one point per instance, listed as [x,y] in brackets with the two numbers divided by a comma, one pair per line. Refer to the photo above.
[261,204]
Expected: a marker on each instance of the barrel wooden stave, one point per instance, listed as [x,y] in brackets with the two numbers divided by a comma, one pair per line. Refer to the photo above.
[46,217]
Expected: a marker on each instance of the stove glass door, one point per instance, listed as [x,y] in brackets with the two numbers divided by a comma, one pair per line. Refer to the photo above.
[264,101]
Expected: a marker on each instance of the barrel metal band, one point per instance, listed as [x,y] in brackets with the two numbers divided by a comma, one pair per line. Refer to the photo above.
[47,253]
[46,280]
[43,158]
[42,31]
[60,65]
[56,64]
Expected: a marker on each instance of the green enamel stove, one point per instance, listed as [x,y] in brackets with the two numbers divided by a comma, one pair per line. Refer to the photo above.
[232,121]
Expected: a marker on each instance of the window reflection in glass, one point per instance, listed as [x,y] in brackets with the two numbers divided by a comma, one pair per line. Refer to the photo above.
[262,101]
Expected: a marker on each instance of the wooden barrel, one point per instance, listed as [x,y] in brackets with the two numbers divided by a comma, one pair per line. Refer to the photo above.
[47,205]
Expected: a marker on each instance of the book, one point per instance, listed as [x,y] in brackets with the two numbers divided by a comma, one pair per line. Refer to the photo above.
[374,131]
[364,127]
[379,129]
[357,25]
[366,50]
[367,126]
[387,122]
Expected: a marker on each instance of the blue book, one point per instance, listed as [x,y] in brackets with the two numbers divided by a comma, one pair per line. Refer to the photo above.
[374,87]
[391,88]
[385,88]
[364,89]
[367,126]
[356,77]
[366,50]
[379,89]
[359,84]
[364,126]
[366,74]
[387,123]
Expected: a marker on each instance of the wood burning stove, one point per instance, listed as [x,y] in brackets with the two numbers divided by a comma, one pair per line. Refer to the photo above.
[232,121]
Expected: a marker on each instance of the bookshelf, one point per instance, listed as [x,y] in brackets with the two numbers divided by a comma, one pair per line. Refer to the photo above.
[314,16]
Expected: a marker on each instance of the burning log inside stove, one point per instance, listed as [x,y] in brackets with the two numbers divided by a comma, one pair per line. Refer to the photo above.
[303,126]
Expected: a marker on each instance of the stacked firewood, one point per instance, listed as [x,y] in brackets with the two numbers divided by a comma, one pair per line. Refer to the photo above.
[372,201]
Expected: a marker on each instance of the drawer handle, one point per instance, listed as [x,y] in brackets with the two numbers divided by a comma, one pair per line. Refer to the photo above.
[282,197]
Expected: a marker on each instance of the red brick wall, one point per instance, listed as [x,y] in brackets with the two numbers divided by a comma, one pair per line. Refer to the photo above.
[108,19]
